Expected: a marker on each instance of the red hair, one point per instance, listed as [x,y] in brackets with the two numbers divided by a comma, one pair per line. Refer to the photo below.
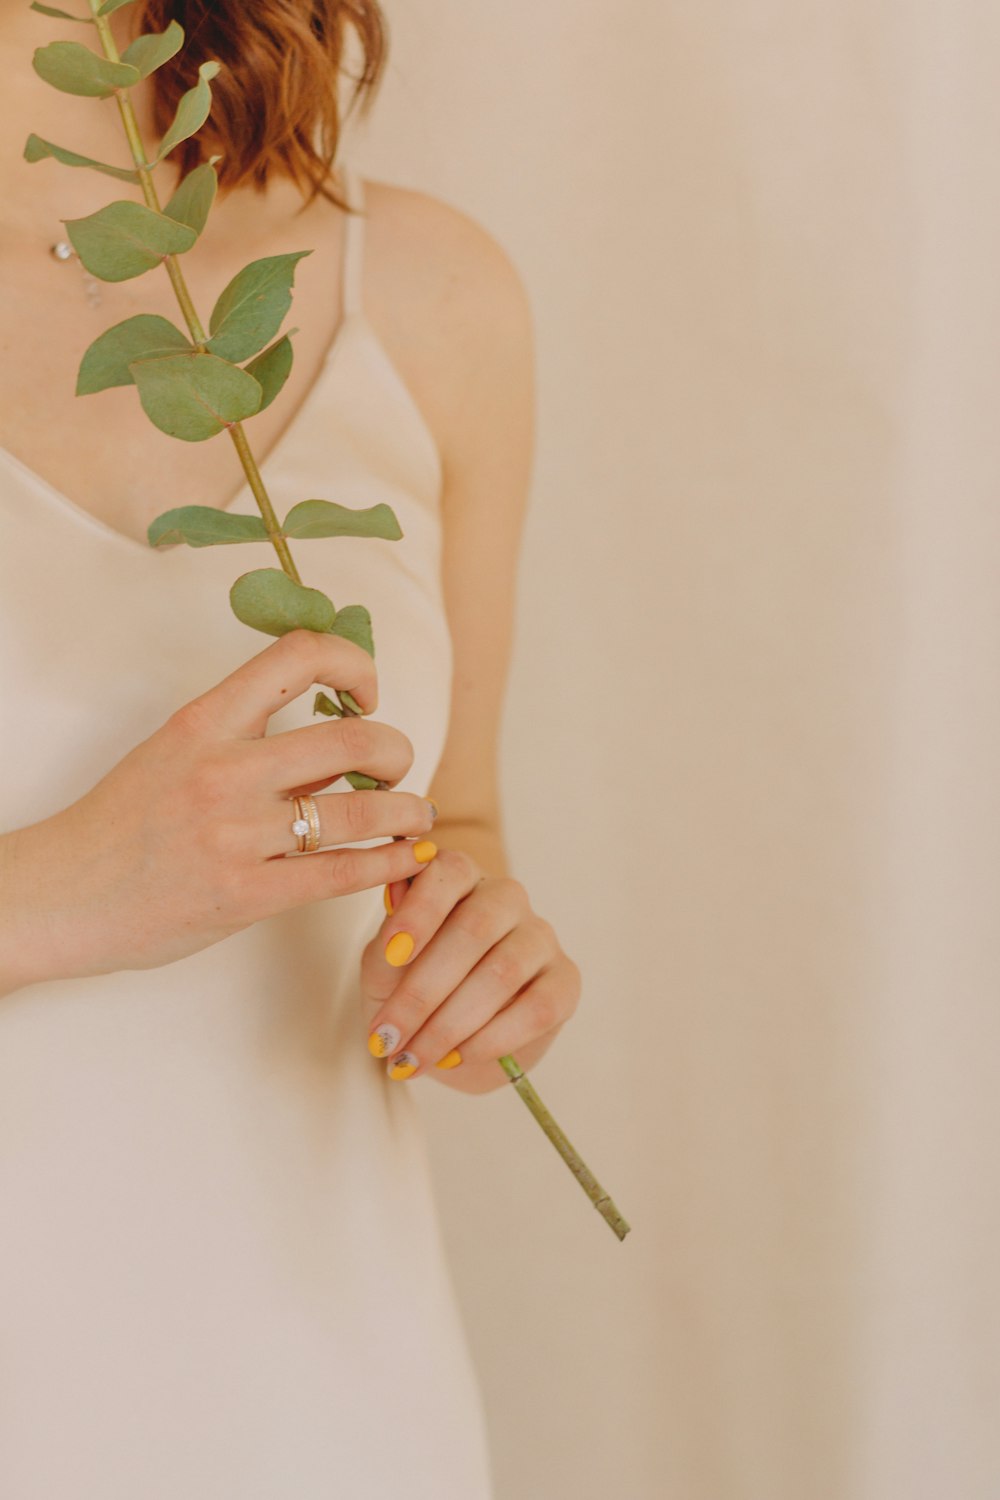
[277,92]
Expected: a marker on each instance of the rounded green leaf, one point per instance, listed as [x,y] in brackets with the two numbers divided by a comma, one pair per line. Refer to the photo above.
[153,48]
[106,362]
[359,781]
[354,623]
[250,309]
[194,197]
[193,109]
[110,5]
[272,368]
[124,239]
[73,68]
[204,526]
[270,601]
[193,396]
[35,149]
[311,518]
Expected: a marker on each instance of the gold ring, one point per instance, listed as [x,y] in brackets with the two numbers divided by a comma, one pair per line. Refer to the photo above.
[308,809]
[300,825]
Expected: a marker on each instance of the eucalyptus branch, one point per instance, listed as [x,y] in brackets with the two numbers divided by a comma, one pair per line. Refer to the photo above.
[195,385]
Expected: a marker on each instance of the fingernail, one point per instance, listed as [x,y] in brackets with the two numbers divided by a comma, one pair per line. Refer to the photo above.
[424,850]
[434,807]
[404,1065]
[451,1061]
[387,900]
[398,948]
[384,1040]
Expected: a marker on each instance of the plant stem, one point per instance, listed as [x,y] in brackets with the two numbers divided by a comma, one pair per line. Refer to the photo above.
[186,304]
[599,1198]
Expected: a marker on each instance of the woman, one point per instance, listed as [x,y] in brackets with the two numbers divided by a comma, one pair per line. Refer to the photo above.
[221,1270]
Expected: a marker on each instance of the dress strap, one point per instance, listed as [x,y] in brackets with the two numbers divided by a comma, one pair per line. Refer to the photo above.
[354,241]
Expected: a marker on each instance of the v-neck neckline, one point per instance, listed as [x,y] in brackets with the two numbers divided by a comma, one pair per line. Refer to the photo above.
[350,317]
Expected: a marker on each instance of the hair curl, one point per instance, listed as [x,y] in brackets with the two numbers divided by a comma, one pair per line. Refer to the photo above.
[277,91]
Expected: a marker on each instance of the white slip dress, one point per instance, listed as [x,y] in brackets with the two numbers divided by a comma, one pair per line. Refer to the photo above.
[221,1271]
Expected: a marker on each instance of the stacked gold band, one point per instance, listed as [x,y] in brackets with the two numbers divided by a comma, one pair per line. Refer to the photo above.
[306,825]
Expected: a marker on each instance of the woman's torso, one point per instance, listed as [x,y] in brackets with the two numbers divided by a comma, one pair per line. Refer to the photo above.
[220,1270]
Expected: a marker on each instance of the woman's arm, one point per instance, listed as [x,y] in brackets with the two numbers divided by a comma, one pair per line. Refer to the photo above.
[482,389]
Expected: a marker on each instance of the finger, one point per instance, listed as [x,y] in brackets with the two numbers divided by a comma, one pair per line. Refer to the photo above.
[466,937]
[544,1005]
[498,977]
[349,817]
[284,883]
[422,910]
[243,702]
[322,752]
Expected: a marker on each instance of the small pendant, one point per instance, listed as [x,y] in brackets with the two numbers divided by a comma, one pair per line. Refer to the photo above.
[62,250]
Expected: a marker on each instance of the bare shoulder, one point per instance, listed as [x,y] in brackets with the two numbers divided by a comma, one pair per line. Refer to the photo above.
[446,298]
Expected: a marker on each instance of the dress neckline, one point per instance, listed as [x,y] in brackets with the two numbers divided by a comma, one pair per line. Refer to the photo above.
[352,314]
[349,319]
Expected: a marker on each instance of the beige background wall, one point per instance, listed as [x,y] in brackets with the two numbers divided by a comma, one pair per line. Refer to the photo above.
[753,737]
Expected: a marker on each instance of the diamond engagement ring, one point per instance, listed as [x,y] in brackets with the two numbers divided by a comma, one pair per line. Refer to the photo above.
[306,824]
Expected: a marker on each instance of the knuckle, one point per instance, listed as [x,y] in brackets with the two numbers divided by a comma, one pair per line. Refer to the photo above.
[222,842]
[459,864]
[546,1011]
[514,894]
[345,872]
[476,922]
[544,931]
[505,968]
[355,739]
[357,812]
[191,721]
[414,998]
[300,645]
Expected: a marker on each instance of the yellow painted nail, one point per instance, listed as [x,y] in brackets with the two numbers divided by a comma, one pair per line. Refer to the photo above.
[398,948]
[451,1061]
[387,900]
[404,1066]
[424,850]
[384,1040]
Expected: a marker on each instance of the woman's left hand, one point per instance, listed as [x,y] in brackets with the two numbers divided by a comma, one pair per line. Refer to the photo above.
[471,974]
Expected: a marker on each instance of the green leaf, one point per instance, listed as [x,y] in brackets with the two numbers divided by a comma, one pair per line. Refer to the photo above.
[311,518]
[35,149]
[193,396]
[250,309]
[270,601]
[359,781]
[153,48]
[64,15]
[324,705]
[110,5]
[354,623]
[74,69]
[272,368]
[124,239]
[193,109]
[194,197]
[350,700]
[106,362]
[204,526]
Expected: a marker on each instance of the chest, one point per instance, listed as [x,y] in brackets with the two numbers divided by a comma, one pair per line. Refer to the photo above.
[101,451]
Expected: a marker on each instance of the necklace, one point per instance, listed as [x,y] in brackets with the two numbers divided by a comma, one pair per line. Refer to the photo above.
[62,250]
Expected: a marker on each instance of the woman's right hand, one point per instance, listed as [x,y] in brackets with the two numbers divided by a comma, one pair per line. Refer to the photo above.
[181,844]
